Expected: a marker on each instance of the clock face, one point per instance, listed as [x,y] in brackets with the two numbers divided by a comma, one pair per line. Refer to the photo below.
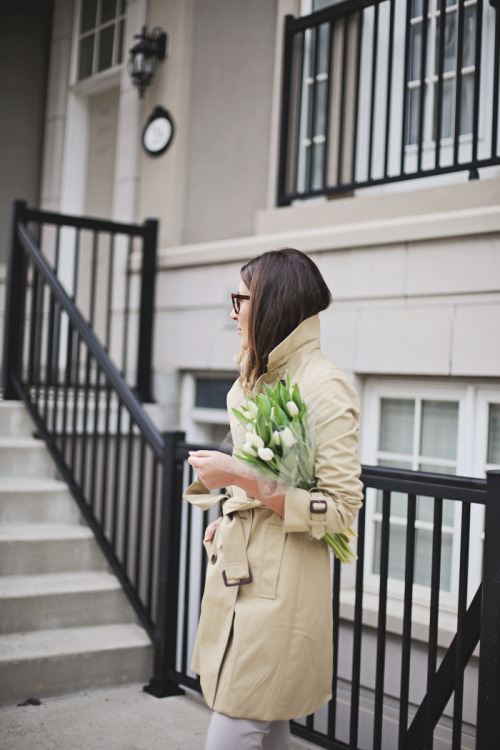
[157,134]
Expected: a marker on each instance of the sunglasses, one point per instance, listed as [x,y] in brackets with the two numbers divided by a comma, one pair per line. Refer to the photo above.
[236,298]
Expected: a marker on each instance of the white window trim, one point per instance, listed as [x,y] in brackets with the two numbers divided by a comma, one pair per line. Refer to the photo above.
[473,399]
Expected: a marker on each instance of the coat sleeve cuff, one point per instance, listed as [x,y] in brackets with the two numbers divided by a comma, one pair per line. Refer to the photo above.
[305,512]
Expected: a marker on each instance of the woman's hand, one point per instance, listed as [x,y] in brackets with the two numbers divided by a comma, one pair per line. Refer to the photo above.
[214,468]
[210,530]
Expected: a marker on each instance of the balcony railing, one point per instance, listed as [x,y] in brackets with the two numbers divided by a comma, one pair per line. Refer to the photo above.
[380,91]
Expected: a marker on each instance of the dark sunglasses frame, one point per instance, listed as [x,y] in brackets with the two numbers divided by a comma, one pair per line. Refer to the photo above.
[236,298]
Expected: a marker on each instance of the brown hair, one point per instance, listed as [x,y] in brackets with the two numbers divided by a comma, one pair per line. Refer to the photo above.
[286,287]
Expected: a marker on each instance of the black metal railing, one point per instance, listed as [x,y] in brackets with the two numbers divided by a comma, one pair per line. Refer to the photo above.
[383,696]
[379,91]
[128,481]
[108,270]
[120,470]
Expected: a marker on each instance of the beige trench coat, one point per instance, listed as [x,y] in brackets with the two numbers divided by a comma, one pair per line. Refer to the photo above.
[264,648]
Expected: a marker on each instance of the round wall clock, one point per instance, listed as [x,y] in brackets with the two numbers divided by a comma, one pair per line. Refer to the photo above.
[158,132]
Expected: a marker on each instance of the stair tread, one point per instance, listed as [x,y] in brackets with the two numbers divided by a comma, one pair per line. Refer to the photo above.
[57,583]
[31,484]
[17,441]
[69,641]
[10,532]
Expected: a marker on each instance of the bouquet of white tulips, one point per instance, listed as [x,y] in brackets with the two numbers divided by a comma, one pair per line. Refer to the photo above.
[278,444]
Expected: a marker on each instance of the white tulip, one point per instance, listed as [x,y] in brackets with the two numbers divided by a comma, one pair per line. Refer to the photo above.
[292,408]
[253,409]
[254,440]
[248,448]
[276,437]
[288,437]
[266,454]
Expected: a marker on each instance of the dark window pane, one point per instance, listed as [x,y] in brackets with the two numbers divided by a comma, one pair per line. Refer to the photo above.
[108,10]
[211,392]
[106,48]
[86,57]
[119,51]
[88,17]
[494,434]
[121,6]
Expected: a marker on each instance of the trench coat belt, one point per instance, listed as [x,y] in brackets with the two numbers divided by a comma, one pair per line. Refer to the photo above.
[232,536]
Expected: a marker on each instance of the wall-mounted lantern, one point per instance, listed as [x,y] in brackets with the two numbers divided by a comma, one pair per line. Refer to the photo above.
[144,55]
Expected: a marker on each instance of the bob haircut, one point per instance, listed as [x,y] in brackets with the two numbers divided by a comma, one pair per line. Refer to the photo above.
[286,287]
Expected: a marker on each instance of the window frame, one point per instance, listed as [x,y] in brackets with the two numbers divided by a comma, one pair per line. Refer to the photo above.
[474,400]
[109,72]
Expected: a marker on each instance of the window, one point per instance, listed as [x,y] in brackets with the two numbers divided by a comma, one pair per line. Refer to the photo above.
[431,427]
[203,408]
[100,37]
[442,87]
[421,435]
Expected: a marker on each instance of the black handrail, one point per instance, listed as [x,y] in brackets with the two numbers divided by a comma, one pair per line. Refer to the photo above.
[117,465]
[99,229]
[378,147]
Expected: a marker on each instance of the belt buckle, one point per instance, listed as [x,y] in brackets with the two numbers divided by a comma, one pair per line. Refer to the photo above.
[318,506]
[240,583]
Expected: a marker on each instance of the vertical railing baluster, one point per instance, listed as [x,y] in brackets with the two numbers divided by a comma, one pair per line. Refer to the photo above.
[439,97]
[95,442]
[126,308]
[93,279]
[187,588]
[105,488]
[345,58]
[128,494]
[76,398]
[311,125]
[15,292]
[153,543]
[461,610]
[433,619]
[139,515]
[356,96]
[390,53]
[357,636]
[407,612]
[117,496]
[423,86]
[373,91]
[382,621]
[332,706]
[109,313]
[477,79]
[405,125]
[458,82]
[496,87]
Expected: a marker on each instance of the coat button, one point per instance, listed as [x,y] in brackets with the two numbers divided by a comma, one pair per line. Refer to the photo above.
[213,559]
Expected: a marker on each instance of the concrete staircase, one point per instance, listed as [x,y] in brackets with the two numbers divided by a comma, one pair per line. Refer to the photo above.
[65,623]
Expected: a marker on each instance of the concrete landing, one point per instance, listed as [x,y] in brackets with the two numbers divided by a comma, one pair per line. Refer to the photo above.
[123,718]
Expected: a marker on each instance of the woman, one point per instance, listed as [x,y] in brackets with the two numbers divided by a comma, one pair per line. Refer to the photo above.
[264,642]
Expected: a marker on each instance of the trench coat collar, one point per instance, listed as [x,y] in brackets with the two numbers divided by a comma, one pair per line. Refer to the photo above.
[305,338]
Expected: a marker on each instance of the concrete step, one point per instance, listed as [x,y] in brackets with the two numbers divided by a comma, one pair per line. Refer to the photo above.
[48,548]
[25,457]
[61,661]
[14,419]
[36,500]
[62,600]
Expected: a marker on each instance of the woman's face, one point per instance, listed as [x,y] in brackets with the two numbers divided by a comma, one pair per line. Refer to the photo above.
[242,317]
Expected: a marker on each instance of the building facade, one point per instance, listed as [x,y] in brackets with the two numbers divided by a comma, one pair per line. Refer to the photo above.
[413,264]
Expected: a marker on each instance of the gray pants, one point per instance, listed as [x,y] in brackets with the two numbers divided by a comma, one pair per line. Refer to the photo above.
[225,733]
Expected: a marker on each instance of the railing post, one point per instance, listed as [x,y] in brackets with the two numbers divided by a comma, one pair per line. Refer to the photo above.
[488,713]
[146,312]
[167,588]
[14,306]
[285,111]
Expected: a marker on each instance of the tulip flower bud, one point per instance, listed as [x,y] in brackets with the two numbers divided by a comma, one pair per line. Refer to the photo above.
[276,437]
[248,448]
[254,440]
[266,454]
[253,409]
[292,408]
[287,437]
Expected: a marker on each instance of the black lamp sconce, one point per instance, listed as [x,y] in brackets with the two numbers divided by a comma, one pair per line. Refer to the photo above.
[144,56]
